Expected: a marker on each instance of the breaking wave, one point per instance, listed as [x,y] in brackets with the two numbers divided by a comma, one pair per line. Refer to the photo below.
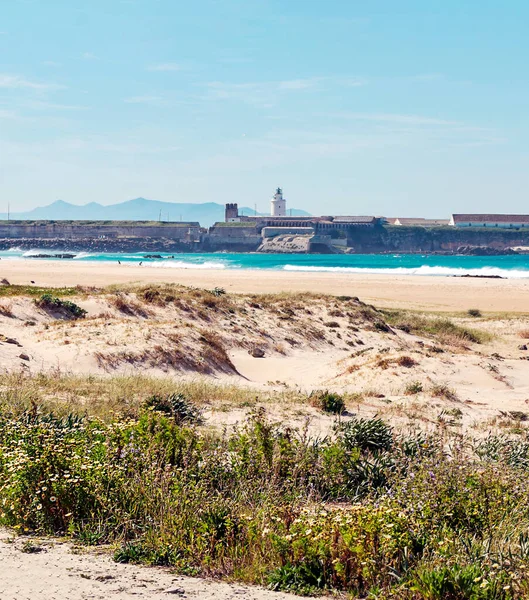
[422,270]
[83,255]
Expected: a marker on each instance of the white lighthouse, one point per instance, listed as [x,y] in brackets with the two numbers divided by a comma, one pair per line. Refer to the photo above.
[279,204]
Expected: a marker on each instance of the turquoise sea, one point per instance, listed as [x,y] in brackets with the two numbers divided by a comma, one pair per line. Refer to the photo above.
[398,264]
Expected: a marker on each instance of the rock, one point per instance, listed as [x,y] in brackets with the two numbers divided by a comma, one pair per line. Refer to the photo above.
[481,276]
[7,340]
[257,352]
[178,591]
[23,356]
[522,347]
[4,281]
[484,251]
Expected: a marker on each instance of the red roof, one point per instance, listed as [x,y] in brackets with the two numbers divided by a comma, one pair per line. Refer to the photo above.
[491,218]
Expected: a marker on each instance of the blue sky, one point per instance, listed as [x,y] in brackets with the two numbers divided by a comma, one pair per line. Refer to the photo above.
[355,107]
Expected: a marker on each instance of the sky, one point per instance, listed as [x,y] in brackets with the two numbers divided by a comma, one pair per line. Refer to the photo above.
[406,108]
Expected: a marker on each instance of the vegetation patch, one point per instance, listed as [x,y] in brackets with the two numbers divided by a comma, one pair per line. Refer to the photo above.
[443,390]
[65,308]
[31,290]
[366,511]
[412,388]
[176,406]
[328,402]
[441,329]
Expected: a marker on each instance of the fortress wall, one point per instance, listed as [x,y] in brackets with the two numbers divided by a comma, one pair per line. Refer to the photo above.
[73,231]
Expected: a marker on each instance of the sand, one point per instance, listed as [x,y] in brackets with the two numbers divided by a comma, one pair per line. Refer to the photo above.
[416,292]
[59,571]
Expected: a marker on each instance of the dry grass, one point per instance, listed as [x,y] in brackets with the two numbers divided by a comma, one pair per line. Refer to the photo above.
[406,361]
[6,309]
[104,396]
[524,334]
[443,390]
[443,330]
[128,305]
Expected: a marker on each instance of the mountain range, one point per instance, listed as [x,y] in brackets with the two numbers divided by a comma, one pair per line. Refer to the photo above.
[139,209]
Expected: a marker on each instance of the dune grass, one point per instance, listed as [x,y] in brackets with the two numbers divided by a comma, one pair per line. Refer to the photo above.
[441,329]
[34,290]
[106,396]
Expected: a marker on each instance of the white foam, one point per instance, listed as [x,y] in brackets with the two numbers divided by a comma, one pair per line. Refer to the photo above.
[422,270]
[34,252]
[83,255]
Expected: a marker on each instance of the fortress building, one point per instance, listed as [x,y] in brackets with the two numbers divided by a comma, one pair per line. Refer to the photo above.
[279,204]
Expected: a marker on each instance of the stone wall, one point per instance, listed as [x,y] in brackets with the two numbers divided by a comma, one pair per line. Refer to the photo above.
[68,231]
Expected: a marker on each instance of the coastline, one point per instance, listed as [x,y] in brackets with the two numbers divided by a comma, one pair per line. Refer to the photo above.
[424,292]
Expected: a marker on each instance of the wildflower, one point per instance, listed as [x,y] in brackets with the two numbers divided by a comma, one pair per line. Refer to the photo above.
[53,499]
[39,506]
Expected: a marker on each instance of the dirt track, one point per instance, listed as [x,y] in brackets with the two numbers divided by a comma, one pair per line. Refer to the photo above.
[57,571]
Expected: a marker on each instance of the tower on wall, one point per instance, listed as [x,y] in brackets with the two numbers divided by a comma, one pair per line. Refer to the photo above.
[279,204]
[232,213]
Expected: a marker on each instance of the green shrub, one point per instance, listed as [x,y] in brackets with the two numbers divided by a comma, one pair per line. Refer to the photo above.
[366,434]
[65,307]
[412,388]
[474,312]
[328,402]
[305,578]
[217,291]
[176,406]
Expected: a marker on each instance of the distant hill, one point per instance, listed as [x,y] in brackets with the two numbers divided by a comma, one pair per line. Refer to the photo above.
[139,209]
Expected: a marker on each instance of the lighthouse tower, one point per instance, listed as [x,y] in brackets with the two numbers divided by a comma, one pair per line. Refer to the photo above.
[279,204]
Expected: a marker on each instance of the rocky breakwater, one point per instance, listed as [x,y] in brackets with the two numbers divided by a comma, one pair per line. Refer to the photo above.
[57,255]
[141,244]
[484,251]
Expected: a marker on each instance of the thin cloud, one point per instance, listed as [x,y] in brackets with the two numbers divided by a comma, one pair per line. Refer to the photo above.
[400,119]
[298,84]
[165,67]
[90,56]
[7,114]
[19,82]
[39,105]
[150,100]
[265,93]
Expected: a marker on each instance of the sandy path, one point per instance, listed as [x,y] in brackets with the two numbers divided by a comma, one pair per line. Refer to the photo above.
[57,573]
[431,293]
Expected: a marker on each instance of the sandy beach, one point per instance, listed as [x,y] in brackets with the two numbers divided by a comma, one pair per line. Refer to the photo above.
[414,292]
